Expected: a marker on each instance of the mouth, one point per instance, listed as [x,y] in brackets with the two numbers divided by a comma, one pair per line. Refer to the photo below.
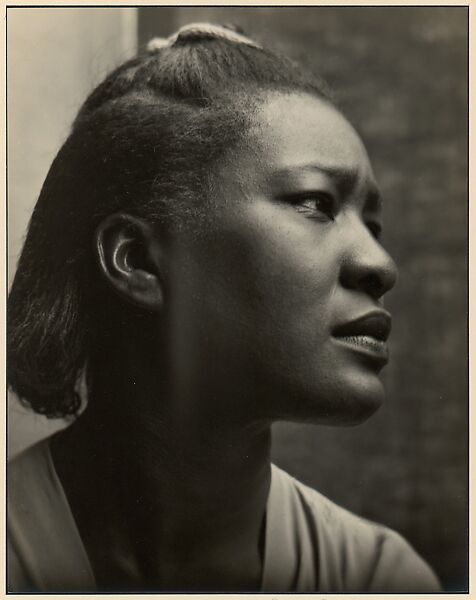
[367,335]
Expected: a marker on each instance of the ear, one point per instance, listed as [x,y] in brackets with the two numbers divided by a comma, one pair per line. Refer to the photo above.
[129,256]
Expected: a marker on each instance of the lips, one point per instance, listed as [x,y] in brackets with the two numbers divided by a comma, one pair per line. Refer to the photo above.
[376,325]
[367,335]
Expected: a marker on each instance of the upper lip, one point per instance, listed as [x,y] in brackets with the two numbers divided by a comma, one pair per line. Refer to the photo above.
[376,324]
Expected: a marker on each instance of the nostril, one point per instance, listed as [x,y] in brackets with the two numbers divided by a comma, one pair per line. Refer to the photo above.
[368,269]
[373,285]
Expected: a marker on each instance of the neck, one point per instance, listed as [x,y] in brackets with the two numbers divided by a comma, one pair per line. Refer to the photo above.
[180,481]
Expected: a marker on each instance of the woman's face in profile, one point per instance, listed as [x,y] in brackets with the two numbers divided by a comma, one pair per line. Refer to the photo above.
[279,300]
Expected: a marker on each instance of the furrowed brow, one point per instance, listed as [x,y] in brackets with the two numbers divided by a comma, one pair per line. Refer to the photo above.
[345,179]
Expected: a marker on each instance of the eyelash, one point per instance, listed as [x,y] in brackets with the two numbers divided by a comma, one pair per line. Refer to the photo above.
[329,210]
[327,203]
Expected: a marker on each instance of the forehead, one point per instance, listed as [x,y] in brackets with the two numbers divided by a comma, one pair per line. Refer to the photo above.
[299,130]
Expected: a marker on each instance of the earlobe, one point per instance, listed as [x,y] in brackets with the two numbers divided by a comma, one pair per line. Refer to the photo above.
[129,256]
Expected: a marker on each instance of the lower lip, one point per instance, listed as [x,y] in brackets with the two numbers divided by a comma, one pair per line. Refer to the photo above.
[366,344]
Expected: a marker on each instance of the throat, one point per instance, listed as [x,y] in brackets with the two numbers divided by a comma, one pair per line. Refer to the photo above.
[165,508]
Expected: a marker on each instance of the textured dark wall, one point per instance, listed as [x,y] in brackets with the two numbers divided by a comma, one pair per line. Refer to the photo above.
[401,76]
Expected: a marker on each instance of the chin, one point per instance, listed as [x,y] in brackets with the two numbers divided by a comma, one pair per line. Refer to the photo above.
[356,414]
[349,402]
[355,403]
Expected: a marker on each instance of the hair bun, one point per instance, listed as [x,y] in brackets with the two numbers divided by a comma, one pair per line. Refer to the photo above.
[202,31]
[235,28]
[157,43]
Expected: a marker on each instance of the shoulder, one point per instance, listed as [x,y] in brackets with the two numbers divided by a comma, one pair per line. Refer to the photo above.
[27,498]
[39,517]
[356,554]
[27,471]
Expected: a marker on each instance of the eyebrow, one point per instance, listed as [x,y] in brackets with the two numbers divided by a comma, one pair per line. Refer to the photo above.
[346,180]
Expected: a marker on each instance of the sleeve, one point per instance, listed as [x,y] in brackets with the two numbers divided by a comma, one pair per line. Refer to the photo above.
[400,569]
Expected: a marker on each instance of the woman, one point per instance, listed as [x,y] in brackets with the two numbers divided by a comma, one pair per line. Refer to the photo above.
[204,260]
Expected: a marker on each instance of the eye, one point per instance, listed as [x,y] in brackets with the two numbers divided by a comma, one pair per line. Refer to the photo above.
[320,205]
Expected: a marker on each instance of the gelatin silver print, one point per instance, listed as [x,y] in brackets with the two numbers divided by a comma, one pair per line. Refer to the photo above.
[237,319]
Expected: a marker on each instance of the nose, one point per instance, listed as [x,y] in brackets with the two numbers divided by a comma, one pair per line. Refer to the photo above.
[367,266]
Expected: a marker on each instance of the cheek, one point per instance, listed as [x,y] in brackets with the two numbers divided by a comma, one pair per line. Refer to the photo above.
[289,264]
[264,276]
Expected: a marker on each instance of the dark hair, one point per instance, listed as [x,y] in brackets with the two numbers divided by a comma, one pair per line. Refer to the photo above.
[144,142]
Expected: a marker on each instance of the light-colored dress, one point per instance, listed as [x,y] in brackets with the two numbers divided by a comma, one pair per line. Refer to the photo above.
[311,544]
